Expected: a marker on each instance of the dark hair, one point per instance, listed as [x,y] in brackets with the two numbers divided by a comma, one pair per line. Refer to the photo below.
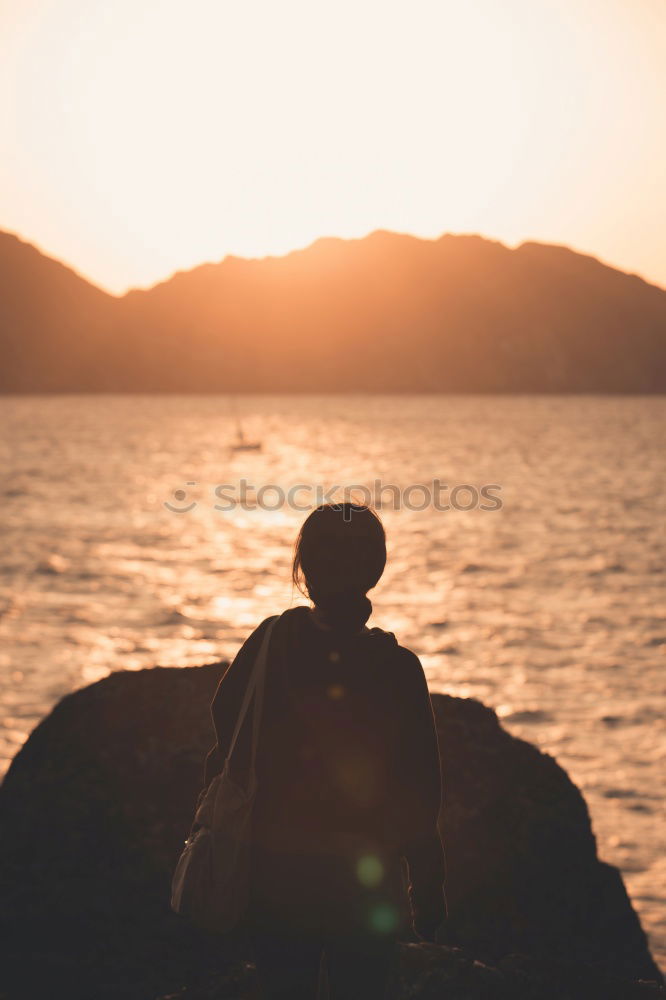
[340,552]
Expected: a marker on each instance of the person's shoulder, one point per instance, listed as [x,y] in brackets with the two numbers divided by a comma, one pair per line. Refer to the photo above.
[257,634]
[408,678]
[262,627]
[408,662]
[404,660]
[379,640]
[285,625]
[290,615]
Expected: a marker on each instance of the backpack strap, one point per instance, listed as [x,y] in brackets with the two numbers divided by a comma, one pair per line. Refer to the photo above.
[255,686]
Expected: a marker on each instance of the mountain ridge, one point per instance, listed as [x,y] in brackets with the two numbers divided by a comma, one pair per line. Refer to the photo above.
[388,312]
[18,238]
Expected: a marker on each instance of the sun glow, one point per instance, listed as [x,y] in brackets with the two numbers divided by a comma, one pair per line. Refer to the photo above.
[149,135]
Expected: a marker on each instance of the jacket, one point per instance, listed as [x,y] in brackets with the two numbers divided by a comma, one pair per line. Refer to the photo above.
[349,781]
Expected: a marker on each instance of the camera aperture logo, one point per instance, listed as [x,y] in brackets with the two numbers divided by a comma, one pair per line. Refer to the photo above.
[303,497]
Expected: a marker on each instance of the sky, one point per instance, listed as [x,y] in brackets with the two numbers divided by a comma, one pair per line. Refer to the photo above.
[140,137]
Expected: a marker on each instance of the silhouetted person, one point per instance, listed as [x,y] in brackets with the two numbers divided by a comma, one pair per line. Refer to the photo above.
[348,776]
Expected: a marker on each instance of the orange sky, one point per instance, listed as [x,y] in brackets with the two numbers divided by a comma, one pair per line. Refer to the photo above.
[142,136]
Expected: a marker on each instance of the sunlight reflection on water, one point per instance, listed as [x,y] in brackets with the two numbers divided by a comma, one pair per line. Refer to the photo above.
[550,610]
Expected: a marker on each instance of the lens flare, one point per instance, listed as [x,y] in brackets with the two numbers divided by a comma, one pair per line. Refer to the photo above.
[384,918]
[369,871]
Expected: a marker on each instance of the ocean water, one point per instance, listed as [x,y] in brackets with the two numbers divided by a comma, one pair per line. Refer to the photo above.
[551,609]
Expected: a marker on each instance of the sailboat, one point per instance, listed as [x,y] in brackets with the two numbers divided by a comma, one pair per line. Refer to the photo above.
[242,443]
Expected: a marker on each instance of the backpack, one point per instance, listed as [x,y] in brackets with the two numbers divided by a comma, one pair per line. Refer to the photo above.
[211,882]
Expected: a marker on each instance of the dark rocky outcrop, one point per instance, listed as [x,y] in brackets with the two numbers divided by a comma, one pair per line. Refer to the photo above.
[95,806]
[428,972]
[387,313]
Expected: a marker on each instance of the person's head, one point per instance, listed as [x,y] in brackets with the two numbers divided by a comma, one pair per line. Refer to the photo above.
[340,555]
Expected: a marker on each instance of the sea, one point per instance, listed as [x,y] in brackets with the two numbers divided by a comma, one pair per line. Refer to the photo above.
[526,561]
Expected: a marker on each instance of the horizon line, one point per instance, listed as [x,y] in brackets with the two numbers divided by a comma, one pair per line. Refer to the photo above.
[307,246]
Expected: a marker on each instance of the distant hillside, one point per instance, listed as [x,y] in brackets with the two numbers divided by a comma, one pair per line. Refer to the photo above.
[54,326]
[387,313]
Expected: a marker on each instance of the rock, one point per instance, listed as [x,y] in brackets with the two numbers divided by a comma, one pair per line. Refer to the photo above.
[95,807]
[93,812]
[428,972]
[523,872]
